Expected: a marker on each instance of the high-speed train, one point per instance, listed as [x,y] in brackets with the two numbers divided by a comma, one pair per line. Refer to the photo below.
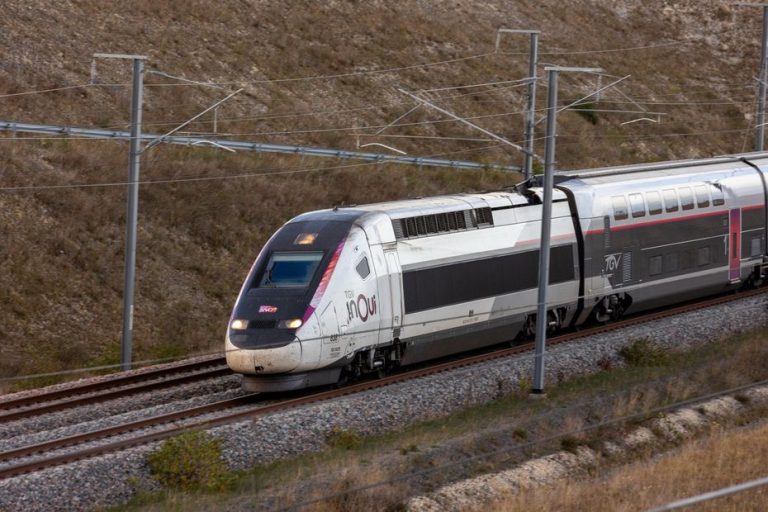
[343,292]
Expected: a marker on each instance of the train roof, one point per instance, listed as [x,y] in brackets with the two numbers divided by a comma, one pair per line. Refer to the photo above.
[455,202]
[626,173]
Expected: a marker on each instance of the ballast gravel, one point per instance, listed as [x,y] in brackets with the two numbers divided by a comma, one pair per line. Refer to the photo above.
[115,478]
[131,408]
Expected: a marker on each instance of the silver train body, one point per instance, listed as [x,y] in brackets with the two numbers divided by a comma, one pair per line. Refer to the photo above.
[343,292]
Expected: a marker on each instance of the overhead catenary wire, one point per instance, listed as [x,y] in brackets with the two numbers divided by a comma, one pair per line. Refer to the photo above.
[303,170]
[431,64]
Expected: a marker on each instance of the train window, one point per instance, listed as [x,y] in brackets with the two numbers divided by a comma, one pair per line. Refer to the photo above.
[686,198]
[717,196]
[756,246]
[702,196]
[654,265]
[703,256]
[670,200]
[290,270]
[363,269]
[619,207]
[670,262]
[637,204]
[654,203]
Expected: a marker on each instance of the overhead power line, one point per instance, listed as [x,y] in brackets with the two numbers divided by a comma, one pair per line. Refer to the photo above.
[301,170]
[254,146]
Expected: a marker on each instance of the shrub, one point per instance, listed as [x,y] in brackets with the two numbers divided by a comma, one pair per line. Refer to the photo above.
[587,111]
[191,461]
[569,444]
[642,352]
[345,439]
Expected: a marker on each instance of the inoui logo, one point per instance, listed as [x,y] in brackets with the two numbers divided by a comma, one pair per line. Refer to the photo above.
[612,262]
[362,308]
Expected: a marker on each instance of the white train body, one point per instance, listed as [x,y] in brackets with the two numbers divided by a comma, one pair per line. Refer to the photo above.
[343,292]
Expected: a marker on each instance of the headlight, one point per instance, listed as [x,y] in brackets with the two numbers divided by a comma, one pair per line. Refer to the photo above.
[294,323]
[239,325]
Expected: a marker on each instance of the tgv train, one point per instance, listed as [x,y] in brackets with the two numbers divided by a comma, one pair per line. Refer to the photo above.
[339,293]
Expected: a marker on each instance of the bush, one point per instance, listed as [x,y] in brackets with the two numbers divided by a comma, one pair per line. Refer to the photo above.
[569,444]
[644,353]
[345,439]
[191,461]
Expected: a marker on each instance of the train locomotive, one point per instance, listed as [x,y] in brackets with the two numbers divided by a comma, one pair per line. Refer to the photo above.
[339,293]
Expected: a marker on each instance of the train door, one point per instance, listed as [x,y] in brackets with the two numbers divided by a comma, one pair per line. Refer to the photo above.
[395,296]
[329,330]
[734,245]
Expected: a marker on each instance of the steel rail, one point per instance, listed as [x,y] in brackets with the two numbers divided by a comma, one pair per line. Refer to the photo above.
[111,394]
[95,435]
[27,467]
[109,383]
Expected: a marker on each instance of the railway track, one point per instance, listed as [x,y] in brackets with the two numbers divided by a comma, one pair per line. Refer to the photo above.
[118,386]
[168,425]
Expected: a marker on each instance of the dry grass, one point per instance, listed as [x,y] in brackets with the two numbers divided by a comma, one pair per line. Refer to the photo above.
[705,465]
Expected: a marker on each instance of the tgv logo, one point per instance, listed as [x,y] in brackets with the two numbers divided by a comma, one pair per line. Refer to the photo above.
[612,262]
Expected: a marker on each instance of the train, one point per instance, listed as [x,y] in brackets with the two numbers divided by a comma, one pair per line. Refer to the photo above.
[340,293]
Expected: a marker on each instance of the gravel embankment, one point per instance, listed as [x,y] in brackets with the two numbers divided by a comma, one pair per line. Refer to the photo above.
[113,479]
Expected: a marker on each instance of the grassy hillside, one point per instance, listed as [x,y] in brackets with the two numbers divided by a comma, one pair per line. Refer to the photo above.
[312,74]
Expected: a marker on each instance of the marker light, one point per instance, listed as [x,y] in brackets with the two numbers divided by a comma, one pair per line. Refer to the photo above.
[305,239]
[239,325]
[294,323]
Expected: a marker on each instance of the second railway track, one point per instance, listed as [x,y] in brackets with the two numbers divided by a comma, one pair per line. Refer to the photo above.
[117,386]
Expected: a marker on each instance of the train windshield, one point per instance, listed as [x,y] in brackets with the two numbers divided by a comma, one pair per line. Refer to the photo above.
[289,270]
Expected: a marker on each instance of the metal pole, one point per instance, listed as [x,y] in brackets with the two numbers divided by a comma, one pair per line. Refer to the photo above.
[546,224]
[760,134]
[132,215]
[530,125]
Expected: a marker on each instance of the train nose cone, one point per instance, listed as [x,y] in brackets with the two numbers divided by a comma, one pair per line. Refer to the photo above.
[281,359]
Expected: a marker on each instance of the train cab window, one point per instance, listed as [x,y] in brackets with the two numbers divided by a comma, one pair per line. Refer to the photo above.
[718,199]
[654,203]
[670,200]
[619,208]
[686,198]
[363,269]
[289,270]
[702,196]
[637,204]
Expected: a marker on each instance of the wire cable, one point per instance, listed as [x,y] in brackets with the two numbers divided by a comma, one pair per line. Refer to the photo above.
[304,170]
